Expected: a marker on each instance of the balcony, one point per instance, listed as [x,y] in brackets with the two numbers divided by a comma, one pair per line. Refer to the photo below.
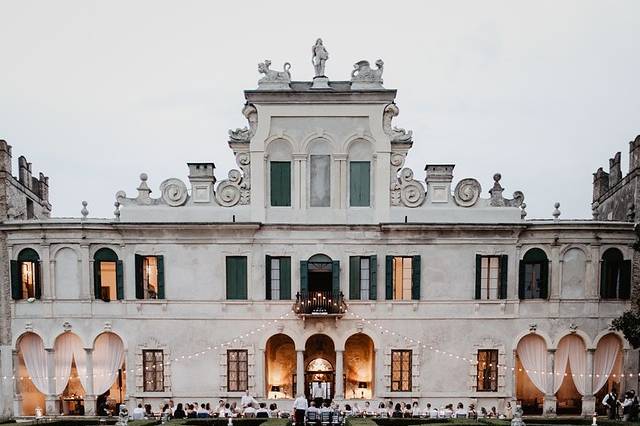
[320,304]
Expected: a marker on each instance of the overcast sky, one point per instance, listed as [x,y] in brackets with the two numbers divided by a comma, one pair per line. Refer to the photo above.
[93,93]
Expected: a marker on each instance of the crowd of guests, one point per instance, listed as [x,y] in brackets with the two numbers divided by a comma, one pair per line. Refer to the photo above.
[629,405]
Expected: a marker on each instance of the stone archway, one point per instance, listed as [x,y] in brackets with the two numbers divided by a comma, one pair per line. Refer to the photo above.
[280,367]
[359,365]
[319,365]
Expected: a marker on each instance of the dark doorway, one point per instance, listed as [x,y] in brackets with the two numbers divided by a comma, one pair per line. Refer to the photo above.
[320,274]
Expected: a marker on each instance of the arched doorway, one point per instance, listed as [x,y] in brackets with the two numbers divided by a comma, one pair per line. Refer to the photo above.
[31,374]
[531,380]
[607,368]
[280,366]
[319,361]
[319,274]
[359,366]
[570,367]
[109,371]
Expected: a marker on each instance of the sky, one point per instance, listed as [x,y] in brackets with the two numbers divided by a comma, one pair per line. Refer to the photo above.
[95,92]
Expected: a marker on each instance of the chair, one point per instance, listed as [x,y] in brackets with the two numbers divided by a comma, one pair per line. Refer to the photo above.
[311,418]
[325,418]
[336,418]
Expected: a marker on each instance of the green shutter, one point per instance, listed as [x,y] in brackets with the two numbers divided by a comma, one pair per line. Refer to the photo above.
[388,291]
[16,284]
[503,265]
[37,279]
[281,183]
[285,278]
[544,277]
[119,280]
[160,263]
[236,277]
[267,277]
[97,280]
[139,277]
[478,276]
[360,183]
[624,292]
[304,274]
[335,270]
[415,278]
[354,277]
[373,277]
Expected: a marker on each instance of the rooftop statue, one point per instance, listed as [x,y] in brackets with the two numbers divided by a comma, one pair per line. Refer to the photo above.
[396,134]
[364,77]
[319,56]
[274,80]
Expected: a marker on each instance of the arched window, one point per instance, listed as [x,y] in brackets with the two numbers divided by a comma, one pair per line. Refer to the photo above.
[107,275]
[615,275]
[320,174]
[26,282]
[534,275]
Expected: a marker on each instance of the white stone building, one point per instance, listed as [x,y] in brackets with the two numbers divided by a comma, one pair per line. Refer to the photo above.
[322,263]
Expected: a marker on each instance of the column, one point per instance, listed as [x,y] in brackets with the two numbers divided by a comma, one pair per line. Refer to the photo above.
[17,398]
[90,397]
[339,374]
[300,372]
[549,405]
[259,374]
[379,374]
[45,275]
[342,192]
[51,400]
[588,400]
[86,289]
[554,273]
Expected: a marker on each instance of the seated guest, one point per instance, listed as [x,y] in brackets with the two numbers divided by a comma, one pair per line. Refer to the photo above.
[483,413]
[448,411]
[202,412]
[312,414]
[493,413]
[382,411]
[367,408]
[138,413]
[166,411]
[235,410]
[249,411]
[262,412]
[397,411]
[356,410]
[336,415]
[472,413]
[179,413]
[191,412]
[274,413]
[415,410]
[347,410]
[460,412]
[407,413]
[226,410]
[434,413]
[147,410]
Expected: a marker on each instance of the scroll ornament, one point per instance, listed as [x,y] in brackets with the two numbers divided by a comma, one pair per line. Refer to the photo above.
[467,192]
[396,134]
[407,192]
[237,188]
[173,192]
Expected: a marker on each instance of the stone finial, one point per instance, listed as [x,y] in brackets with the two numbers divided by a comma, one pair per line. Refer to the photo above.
[84,212]
[556,211]
[143,190]
[594,210]
[615,173]
[497,200]
[523,212]
[116,212]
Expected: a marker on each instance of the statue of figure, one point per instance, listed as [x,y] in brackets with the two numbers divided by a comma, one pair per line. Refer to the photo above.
[319,57]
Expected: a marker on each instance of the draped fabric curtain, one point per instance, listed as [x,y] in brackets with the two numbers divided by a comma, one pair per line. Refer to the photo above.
[80,357]
[62,357]
[571,351]
[108,355]
[604,360]
[532,352]
[35,359]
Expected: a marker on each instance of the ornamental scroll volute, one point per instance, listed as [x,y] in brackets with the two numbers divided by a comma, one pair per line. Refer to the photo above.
[404,190]
[237,188]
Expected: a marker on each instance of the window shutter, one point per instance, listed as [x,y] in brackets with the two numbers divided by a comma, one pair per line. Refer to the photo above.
[119,280]
[139,277]
[603,280]
[285,278]
[478,276]
[281,183]
[388,290]
[373,277]
[415,278]
[97,280]
[359,183]
[521,282]
[544,275]
[160,263]
[503,265]
[236,277]
[16,284]
[335,270]
[242,277]
[37,279]
[354,277]
[304,273]
[624,291]
[267,272]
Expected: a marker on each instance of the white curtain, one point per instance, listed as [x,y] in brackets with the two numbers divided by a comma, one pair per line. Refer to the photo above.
[571,351]
[532,352]
[80,357]
[108,355]
[35,359]
[63,355]
[604,360]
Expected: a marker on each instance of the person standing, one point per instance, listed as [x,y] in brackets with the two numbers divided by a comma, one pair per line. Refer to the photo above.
[611,402]
[300,406]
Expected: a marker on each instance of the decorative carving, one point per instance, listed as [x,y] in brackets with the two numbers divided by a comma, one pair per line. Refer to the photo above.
[116,212]
[533,327]
[240,135]
[174,192]
[237,188]
[28,326]
[364,77]
[396,134]
[406,191]
[84,212]
[523,212]
[573,328]
[66,326]
[274,80]
[244,135]
[319,57]
[467,192]
[556,211]
[497,200]
[107,326]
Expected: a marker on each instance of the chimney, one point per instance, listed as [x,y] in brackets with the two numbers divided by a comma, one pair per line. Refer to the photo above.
[5,156]
[438,180]
[600,183]
[615,174]
[201,176]
[24,171]
[634,154]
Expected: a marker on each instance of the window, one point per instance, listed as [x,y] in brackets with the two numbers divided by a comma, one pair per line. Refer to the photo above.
[487,370]
[320,180]
[107,276]
[534,275]
[401,370]
[615,275]
[278,278]
[149,277]
[237,371]
[491,277]
[153,364]
[280,183]
[402,278]
[360,183]
[25,276]
[236,277]
[362,277]
[30,211]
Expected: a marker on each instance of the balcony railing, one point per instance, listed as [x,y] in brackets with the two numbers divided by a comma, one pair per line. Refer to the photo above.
[320,303]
